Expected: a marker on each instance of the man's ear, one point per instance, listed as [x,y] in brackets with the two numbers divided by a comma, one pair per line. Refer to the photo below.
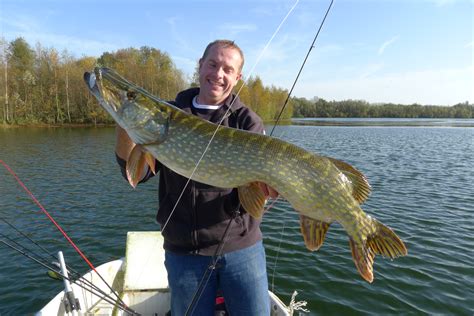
[239,76]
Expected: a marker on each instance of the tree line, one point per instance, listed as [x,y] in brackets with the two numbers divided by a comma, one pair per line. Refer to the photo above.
[43,86]
[319,107]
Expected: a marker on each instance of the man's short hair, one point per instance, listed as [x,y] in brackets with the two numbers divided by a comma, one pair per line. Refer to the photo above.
[224,44]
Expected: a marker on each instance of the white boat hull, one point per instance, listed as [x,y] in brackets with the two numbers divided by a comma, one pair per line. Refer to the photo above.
[140,279]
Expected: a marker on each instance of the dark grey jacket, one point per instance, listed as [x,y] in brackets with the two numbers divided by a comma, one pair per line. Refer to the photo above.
[201,216]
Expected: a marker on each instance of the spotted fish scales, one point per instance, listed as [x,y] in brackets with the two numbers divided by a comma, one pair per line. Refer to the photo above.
[321,189]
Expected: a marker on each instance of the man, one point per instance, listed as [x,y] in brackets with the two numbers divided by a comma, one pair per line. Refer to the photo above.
[203,213]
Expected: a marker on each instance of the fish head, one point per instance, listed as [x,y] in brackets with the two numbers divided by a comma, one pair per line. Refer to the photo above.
[138,112]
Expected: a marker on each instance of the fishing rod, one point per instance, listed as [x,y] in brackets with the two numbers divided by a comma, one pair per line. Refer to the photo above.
[302,66]
[227,113]
[35,200]
[212,266]
[45,263]
[97,292]
[280,114]
[32,241]
[218,253]
[76,275]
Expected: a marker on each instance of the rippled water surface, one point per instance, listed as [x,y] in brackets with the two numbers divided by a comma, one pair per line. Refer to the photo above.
[423,188]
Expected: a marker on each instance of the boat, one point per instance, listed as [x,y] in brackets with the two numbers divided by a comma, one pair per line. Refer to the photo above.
[139,279]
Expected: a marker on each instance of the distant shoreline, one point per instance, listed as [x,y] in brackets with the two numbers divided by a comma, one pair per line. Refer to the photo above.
[381,122]
[75,125]
[354,122]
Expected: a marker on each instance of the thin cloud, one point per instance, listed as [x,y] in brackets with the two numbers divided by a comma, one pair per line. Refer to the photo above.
[282,51]
[19,23]
[442,3]
[32,30]
[181,42]
[329,49]
[185,64]
[74,45]
[386,44]
[371,69]
[233,30]
[449,86]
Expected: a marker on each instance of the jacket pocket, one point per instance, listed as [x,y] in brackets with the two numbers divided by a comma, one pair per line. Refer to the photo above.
[179,226]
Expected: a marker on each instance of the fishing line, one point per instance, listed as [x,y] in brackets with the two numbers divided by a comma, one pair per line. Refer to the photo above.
[59,228]
[26,236]
[226,114]
[277,255]
[102,295]
[212,266]
[278,119]
[302,66]
[197,295]
[72,271]
[25,249]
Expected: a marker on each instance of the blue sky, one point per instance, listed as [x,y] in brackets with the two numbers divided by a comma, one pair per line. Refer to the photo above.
[401,51]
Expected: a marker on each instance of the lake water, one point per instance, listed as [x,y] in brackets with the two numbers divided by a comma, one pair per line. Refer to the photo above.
[423,188]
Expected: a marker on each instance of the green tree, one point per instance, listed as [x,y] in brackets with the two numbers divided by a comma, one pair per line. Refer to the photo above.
[4,80]
[21,60]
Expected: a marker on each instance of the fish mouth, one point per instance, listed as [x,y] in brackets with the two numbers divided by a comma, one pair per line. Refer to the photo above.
[132,107]
[94,83]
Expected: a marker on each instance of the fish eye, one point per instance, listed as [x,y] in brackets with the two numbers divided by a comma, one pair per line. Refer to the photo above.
[92,80]
[131,95]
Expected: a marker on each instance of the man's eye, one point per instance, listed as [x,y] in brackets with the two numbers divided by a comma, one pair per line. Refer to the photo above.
[131,95]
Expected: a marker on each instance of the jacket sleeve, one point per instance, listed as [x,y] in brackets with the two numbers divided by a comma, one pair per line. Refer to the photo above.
[250,121]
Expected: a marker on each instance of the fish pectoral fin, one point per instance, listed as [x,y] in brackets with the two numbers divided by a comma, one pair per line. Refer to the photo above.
[135,167]
[150,161]
[364,259]
[360,185]
[313,231]
[252,199]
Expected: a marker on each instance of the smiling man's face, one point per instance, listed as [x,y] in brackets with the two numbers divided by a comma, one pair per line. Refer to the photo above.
[219,72]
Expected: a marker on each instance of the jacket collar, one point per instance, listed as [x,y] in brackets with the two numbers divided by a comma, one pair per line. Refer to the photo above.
[184,101]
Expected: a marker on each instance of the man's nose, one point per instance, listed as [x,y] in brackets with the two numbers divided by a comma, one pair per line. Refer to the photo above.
[219,72]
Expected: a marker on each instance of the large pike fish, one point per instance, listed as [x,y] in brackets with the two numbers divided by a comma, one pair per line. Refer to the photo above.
[323,190]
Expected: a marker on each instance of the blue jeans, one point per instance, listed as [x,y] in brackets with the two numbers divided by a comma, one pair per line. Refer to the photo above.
[241,276]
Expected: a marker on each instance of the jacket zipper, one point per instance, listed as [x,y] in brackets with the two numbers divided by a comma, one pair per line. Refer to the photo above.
[194,233]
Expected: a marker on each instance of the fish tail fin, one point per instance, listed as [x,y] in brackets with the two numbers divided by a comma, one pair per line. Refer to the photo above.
[385,242]
[363,258]
[137,160]
[382,242]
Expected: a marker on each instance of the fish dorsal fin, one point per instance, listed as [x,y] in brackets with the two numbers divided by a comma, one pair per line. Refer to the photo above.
[313,232]
[136,162]
[360,185]
[252,199]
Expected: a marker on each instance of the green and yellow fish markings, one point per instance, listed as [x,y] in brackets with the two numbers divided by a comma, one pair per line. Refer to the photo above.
[323,190]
